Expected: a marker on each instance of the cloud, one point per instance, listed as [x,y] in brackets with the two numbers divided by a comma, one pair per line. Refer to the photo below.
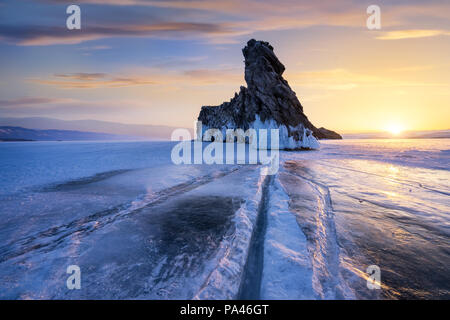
[92,80]
[217,21]
[42,35]
[82,76]
[411,34]
[85,80]
[328,79]
[29,101]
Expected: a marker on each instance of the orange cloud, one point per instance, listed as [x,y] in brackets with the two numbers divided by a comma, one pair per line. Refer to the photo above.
[83,80]
[83,84]
[411,34]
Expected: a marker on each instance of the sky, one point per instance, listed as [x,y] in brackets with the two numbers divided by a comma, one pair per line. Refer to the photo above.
[158,62]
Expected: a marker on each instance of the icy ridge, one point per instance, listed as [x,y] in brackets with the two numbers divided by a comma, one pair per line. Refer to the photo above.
[327,253]
[311,203]
[224,281]
[287,272]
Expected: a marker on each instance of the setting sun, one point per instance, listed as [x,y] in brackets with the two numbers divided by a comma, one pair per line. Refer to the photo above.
[395,129]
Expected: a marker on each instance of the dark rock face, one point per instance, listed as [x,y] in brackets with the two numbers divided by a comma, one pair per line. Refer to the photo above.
[323,133]
[267,102]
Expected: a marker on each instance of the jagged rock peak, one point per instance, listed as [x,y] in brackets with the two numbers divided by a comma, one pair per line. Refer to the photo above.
[259,56]
[267,102]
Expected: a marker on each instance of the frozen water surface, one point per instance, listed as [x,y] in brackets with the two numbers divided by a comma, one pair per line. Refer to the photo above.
[387,212]
[141,227]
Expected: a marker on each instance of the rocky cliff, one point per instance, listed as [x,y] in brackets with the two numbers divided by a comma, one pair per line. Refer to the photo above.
[267,102]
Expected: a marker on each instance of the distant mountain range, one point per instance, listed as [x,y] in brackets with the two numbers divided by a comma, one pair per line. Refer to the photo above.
[39,128]
[8,133]
[49,129]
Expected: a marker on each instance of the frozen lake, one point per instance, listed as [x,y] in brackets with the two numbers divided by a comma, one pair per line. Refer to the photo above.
[141,227]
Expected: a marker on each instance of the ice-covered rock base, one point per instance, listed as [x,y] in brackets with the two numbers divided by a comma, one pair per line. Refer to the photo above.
[263,131]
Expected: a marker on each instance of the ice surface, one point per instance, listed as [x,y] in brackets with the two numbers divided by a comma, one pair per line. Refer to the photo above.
[385,213]
[287,272]
[422,153]
[144,229]
[141,227]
